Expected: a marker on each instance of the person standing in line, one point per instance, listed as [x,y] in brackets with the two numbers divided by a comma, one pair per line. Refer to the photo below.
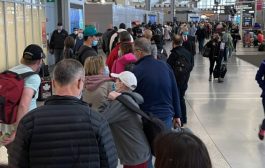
[181,150]
[161,97]
[69,43]
[182,78]
[31,61]
[90,40]
[57,42]
[64,132]
[126,126]
[97,84]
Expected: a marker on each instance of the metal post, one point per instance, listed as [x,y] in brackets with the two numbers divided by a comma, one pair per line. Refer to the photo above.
[173,9]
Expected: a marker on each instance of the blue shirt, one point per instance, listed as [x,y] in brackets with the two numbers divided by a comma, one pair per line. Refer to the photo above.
[157,85]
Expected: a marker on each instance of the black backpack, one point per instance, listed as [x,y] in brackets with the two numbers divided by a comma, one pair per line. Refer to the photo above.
[152,126]
[162,54]
[181,68]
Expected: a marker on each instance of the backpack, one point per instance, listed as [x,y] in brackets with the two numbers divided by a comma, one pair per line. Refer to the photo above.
[115,41]
[152,126]
[181,68]
[11,89]
[162,55]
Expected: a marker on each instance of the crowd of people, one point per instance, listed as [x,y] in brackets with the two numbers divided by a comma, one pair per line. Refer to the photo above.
[84,124]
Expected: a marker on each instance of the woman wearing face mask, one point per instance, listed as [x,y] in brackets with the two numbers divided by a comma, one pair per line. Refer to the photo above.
[214,56]
[125,57]
[97,84]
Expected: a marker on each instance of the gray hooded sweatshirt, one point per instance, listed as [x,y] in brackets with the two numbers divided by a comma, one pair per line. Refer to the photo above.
[126,126]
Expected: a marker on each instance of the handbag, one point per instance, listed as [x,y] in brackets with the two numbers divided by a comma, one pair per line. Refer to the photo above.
[206,51]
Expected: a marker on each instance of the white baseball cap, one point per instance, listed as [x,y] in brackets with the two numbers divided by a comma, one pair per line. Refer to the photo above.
[128,78]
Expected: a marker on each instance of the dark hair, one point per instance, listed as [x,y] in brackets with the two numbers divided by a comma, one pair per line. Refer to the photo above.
[122,26]
[69,42]
[124,36]
[126,47]
[181,150]
[115,28]
[67,70]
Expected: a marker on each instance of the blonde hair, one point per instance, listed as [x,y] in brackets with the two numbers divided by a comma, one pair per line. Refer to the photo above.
[94,65]
[148,34]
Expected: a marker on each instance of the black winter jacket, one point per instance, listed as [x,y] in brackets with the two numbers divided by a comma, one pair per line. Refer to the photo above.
[57,39]
[64,133]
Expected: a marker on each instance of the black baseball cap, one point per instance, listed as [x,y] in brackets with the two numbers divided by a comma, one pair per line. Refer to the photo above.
[33,52]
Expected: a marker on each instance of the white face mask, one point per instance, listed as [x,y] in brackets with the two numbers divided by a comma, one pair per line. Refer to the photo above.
[75,32]
[80,35]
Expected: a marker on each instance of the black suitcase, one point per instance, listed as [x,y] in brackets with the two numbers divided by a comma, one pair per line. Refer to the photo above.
[216,72]
[223,70]
[261,47]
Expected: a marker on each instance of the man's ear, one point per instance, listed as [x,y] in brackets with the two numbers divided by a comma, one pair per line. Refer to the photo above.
[53,84]
[80,84]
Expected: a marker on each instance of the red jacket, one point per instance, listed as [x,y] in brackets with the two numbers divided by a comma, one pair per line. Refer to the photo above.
[112,56]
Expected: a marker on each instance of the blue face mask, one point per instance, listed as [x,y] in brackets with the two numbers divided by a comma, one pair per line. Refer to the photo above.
[95,43]
[185,33]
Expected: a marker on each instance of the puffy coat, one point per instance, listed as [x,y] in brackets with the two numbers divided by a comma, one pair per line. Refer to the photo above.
[64,133]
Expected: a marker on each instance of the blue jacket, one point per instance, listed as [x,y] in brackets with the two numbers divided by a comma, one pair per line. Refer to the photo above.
[260,77]
[157,85]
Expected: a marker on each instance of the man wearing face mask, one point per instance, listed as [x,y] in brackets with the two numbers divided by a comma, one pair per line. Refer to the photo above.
[90,40]
[77,136]
[57,42]
[188,41]
[75,33]
[79,40]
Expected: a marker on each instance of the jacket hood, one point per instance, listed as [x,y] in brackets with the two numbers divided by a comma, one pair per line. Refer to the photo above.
[129,55]
[135,96]
[93,82]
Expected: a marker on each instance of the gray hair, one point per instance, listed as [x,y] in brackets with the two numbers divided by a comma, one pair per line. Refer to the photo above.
[67,70]
[143,44]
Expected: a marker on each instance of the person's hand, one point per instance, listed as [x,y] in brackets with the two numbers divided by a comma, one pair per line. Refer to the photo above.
[176,123]
[8,139]
[113,95]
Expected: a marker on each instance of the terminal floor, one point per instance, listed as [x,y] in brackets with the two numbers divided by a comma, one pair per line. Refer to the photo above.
[224,115]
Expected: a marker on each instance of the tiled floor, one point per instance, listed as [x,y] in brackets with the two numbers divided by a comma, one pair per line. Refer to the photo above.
[224,115]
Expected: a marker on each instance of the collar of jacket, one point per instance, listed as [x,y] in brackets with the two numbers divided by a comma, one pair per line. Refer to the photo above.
[144,58]
[176,48]
[64,100]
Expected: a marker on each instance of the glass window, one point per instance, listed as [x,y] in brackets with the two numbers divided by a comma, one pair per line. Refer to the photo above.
[11,40]
[36,25]
[35,1]
[20,30]
[28,24]
[2,40]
